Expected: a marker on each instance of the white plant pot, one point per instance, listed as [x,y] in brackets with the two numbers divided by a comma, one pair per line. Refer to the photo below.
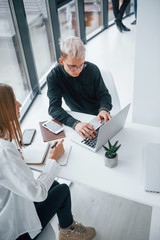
[111,162]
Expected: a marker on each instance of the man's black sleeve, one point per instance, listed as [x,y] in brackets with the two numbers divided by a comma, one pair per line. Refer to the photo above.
[55,102]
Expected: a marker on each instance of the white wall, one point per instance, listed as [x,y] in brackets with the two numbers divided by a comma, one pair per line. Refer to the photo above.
[146,96]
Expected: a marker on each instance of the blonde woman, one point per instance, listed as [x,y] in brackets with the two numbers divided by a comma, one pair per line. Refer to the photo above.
[26,204]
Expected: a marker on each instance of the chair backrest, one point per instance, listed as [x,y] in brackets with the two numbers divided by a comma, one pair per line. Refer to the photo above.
[109,82]
[47,233]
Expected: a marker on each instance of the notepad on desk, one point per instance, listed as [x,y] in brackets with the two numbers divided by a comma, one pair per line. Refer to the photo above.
[36,155]
[64,159]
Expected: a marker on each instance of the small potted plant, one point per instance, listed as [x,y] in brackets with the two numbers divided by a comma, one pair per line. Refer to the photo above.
[111,156]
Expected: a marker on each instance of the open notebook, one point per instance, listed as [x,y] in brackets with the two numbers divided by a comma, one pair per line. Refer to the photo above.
[36,155]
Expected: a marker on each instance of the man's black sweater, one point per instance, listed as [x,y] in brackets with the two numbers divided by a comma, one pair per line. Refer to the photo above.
[86,93]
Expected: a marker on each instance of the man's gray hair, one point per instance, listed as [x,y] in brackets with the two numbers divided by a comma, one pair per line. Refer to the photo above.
[73,47]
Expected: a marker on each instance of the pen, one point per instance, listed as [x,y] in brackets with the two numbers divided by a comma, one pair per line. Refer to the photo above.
[54,145]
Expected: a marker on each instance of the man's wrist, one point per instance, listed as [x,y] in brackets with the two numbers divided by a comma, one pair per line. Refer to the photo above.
[74,125]
[105,109]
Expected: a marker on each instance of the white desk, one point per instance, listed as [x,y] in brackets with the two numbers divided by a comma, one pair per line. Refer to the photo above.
[125,180]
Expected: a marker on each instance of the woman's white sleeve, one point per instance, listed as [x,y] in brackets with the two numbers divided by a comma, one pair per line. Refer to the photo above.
[16,176]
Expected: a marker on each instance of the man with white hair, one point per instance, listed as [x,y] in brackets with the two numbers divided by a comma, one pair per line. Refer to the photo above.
[80,84]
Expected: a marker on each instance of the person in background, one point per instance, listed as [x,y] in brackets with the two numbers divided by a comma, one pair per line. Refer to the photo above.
[135,12]
[118,11]
[26,204]
[80,84]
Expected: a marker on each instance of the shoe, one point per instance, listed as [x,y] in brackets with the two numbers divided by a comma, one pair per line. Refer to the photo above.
[76,232]
[118,24]
[134,22]
[124,28]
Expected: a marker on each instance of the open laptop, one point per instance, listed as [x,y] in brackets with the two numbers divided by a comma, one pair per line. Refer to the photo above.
[105,131]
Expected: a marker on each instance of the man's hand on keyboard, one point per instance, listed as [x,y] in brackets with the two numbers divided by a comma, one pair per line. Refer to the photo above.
[85,130]
[104,115]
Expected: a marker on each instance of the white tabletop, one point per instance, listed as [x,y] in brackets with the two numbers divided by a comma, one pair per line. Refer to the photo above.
[125,180]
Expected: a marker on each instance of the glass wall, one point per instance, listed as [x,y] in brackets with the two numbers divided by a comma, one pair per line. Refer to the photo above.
[11,64]
[110,12]
[93,18]
[27,57]
[40,34]
[111,17]
[68,19]
[132,6]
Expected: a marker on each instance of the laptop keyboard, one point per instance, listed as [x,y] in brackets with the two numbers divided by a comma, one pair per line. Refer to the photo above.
[91,142]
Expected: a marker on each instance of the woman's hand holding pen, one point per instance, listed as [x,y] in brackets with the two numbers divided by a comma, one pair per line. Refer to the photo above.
[57,150]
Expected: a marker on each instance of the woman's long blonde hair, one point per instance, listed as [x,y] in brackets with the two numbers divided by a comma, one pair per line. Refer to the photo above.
[9,124]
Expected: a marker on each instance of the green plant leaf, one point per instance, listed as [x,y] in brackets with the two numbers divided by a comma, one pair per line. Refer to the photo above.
[109,144]
[115,144]
[118,147]
[112,149]
[105,148]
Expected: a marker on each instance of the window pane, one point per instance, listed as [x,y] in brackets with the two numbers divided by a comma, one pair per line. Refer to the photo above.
[11,66]
[40,34]
[132,6]
[110,11]
[68,20]
[92,15]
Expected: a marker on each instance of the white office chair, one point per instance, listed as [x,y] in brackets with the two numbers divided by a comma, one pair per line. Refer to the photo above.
[47,233]
[109,82]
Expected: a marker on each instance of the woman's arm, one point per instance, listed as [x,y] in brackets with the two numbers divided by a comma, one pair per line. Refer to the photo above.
[16,176]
